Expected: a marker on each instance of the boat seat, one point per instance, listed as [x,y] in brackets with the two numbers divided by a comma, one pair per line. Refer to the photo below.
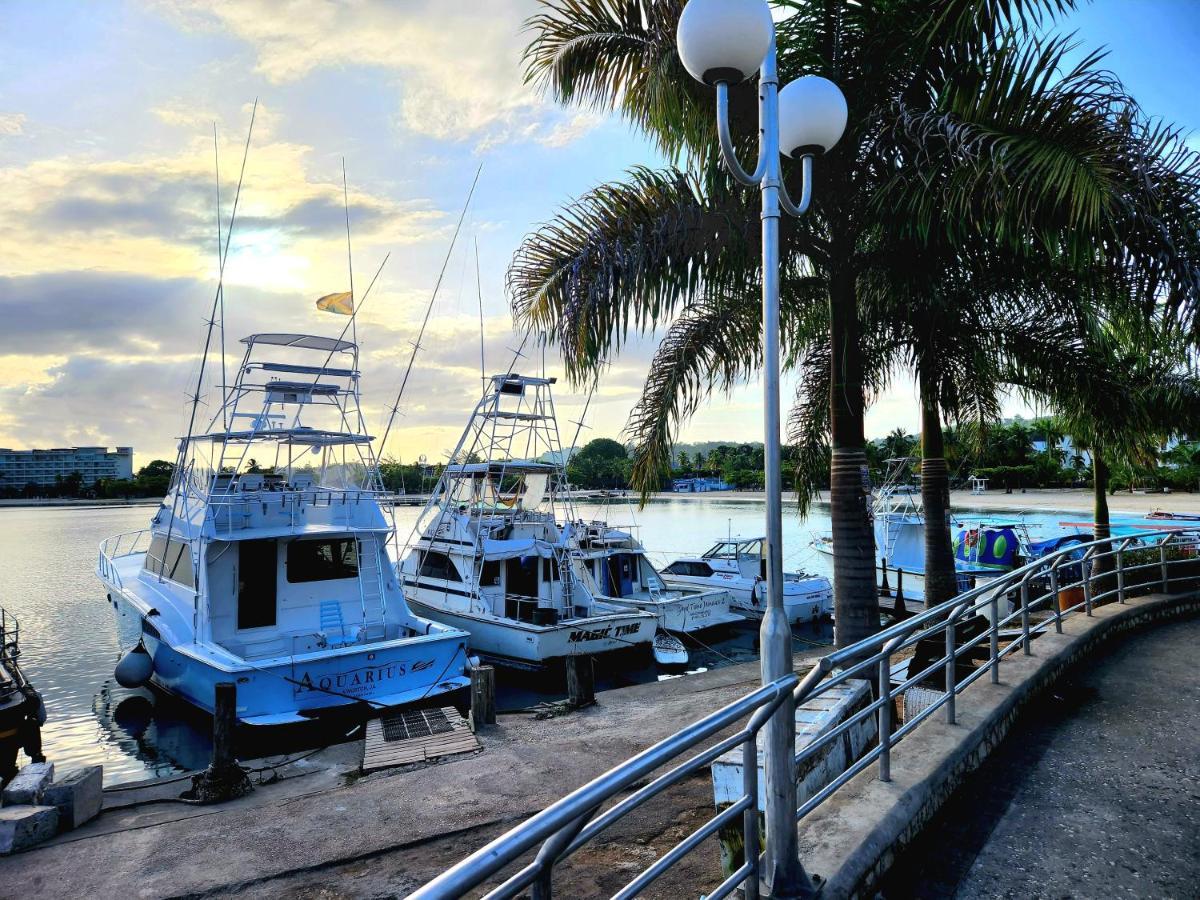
[333,626]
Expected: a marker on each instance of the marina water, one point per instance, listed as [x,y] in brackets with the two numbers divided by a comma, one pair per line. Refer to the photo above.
[69,646]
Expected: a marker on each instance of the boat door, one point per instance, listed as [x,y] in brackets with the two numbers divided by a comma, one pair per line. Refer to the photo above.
[620,574]
[258,564]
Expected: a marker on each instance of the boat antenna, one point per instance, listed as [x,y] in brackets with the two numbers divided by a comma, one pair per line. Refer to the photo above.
[220,268]
[177,476]
[349,254]
[428,309]
[479,293]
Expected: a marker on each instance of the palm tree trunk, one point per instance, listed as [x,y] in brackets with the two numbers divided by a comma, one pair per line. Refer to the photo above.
[856,598]
[1100,515]
[941,582]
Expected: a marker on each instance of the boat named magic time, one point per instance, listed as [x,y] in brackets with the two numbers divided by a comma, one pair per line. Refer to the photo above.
[495,551]
[267,562]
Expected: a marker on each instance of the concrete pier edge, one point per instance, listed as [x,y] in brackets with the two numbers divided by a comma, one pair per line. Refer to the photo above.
[852,839]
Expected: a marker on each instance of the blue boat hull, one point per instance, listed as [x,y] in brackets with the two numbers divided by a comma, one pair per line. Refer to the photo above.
[300,688]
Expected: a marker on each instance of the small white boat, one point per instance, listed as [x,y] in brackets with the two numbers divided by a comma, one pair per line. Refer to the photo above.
[490,556]
[737,565]
[267,563]
[669,650]
[617,568]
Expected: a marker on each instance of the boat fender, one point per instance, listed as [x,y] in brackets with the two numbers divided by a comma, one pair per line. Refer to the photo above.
[135,667]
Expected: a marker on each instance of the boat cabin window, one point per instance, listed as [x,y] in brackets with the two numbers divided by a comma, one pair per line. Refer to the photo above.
[550,570]
[689,568]
[490,576]
[438,565]
[322,560]
[171,560]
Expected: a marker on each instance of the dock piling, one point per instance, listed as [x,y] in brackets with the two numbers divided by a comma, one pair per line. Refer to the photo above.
[224,779]
[483,696]
[581,681]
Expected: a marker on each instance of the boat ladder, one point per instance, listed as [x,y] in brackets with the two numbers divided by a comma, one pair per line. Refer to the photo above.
[370,578]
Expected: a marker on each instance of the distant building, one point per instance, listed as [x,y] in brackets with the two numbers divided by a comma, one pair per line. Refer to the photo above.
[699,485]
[19,468]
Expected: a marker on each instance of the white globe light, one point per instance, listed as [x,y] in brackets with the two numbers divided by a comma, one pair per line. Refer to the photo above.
[724,40]
[812,116]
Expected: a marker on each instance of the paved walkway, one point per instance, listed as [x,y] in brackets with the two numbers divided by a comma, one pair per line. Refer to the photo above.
[1096,793]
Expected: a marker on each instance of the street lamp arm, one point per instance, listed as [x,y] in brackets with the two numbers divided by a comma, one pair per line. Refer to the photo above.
[728,153]
[806,174]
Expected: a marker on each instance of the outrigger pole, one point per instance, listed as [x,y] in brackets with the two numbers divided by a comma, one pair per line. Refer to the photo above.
[221,272]
[178,477]
[428,309]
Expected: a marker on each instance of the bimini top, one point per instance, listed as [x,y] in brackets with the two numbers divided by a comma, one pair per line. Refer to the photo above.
[306,437]
[303,341]
[510,467]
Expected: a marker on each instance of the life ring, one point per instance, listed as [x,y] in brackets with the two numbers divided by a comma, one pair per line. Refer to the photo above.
[973,537]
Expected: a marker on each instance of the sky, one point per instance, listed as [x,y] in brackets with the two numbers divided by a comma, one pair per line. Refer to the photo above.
[108,228]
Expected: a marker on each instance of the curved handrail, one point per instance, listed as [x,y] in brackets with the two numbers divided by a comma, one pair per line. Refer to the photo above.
[566,825]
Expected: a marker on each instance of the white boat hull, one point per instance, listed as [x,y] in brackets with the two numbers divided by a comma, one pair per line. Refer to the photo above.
[529,644]
[687,612]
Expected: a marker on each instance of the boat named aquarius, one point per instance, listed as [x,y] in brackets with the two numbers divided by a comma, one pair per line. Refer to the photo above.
[267,563]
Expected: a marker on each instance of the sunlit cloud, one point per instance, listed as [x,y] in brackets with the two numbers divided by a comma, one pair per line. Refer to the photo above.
[12,124]
[448,89]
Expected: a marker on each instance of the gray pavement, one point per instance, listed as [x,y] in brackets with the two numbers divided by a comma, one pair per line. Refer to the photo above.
[1094,793]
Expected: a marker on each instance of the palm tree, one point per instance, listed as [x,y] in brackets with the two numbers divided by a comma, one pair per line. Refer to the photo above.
[960,126]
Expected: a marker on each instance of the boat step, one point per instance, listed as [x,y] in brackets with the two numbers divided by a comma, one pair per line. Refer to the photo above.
[402,737]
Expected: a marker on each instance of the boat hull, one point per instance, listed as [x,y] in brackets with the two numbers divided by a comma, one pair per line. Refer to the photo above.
[537,645]
[687,613]
[299,688]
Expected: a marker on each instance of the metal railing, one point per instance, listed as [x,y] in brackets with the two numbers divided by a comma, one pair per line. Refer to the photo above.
[1016,607]
[120,545]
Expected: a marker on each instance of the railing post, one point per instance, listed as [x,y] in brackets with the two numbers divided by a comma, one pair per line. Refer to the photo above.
[951,679]
[1086,570]
[1054,595]
[885,716]
[995,636]
[1121,572]
[1162,557]
[1025,617]
[750,816]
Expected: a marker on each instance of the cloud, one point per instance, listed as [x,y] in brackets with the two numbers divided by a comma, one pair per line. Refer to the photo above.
[450,88]
[155,215]
[12,124]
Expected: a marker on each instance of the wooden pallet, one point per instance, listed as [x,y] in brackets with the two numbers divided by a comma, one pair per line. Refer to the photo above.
[380,753]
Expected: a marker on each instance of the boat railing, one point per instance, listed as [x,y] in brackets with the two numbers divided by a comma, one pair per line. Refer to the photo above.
[1007,613]
[118,546]
[234,510]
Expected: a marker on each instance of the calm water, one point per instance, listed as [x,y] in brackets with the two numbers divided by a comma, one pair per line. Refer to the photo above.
[47,562]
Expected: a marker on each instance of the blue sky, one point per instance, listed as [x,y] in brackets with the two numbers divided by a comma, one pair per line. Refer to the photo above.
[107,260]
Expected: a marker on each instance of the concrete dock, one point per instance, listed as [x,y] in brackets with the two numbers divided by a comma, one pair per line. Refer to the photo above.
[332,834]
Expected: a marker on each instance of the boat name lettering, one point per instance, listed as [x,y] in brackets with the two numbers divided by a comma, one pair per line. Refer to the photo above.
[356,682]
[615,631]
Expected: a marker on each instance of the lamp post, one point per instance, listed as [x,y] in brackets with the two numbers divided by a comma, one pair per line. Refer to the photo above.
[722,42]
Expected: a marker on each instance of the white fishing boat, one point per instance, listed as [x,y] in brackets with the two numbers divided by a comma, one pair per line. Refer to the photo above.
[738,565]
[490,555]
[616,566]
[267,563]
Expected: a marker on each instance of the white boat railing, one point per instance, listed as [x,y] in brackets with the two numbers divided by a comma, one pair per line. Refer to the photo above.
[1037,597]
[120,545]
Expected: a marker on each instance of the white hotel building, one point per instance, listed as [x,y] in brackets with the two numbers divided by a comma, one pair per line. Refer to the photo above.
[19,468]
